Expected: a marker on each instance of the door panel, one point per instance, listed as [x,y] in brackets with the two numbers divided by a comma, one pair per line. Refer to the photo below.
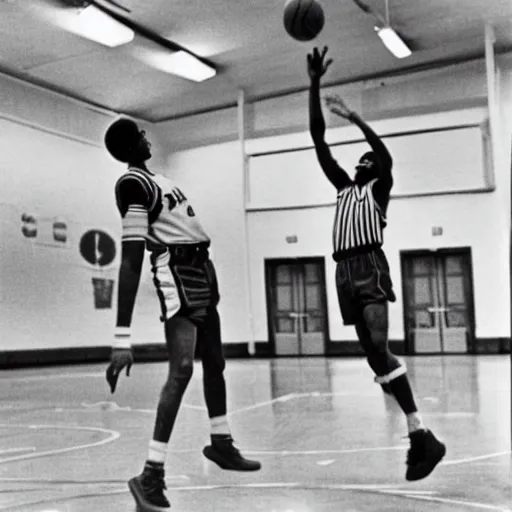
[436,301]
[313,321]
[424,305]
[455,319]
[286,303]
[297,311]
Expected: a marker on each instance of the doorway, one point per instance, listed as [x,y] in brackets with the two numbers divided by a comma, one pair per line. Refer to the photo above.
[438,301]
[296,306]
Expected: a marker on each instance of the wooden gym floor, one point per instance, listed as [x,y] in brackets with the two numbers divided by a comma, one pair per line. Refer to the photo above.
[328,439]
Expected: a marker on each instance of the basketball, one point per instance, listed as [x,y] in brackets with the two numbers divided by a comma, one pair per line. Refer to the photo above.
[303,19]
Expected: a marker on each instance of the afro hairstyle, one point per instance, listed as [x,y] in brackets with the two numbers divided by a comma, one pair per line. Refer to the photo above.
[120,138]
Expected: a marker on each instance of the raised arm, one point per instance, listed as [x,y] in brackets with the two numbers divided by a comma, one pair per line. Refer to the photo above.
[376,144]
[334,173]
[337,106]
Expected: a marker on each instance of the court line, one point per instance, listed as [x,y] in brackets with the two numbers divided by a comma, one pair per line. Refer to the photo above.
[307,452]
[279,399]
[21,449]
[47,502]
[381,489]
[113,435]
[80,482]
[407,492]
[324,394]
[376,489]
[53,376]
[112,406]
[293,396]
[322,452]
[370,487]
[473,459]
[284,398]
[472,504]
[284,485]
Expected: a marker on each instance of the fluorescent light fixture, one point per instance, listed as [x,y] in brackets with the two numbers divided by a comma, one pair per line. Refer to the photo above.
[94,24]
[182,64]
[393,42]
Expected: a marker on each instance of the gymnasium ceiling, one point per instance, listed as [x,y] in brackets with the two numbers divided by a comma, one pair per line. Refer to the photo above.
[245,39]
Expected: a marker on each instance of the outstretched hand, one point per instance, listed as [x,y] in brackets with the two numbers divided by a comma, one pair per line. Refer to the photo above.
[316,65]
[337,106]
[120,358]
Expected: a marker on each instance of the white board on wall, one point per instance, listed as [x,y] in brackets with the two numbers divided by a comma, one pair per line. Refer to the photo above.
[426,162]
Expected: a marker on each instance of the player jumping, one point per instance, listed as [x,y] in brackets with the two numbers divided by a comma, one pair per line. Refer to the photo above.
[157,215]
[363,281]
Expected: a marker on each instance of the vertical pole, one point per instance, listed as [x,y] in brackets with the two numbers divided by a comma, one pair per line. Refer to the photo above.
[492,98]
[493,101]
[241,137]
[387,13]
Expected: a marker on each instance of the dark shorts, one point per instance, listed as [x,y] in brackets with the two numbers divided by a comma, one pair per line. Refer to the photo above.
[362,279]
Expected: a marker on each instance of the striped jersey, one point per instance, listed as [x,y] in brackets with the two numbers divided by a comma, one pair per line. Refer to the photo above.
[359,220]
[161,214]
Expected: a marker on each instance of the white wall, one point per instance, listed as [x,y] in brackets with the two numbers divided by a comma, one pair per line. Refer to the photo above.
[478,220]
[267,232]
[212,180]
[53,167]
[475,220]
[467,220]
[451,158]
[47,296]
[53,164]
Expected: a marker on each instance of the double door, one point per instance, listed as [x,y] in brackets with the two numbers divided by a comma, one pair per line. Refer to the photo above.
[296,306]
[438,301]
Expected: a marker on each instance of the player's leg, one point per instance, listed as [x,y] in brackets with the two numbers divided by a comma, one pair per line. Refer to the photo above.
[147,488]
[375,290]
[350,312]
[365,339]
[221,450]
[387,367]
[426,451]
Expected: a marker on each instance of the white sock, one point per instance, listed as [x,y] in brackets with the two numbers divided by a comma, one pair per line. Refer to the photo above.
[157,451]
[219,425]
[414,422]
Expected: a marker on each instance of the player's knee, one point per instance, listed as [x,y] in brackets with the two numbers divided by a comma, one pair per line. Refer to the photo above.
[394,369]
[183,369]
[376,347]
[382,361]
[376,365]
[379,340]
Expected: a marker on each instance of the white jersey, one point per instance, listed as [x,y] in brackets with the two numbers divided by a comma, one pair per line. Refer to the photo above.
[153,208]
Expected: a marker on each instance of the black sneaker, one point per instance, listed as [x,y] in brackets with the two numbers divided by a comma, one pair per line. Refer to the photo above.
[148,490]
[226,456]
[424,454]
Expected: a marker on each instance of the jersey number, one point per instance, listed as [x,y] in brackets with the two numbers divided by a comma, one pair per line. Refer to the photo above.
[175,197]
